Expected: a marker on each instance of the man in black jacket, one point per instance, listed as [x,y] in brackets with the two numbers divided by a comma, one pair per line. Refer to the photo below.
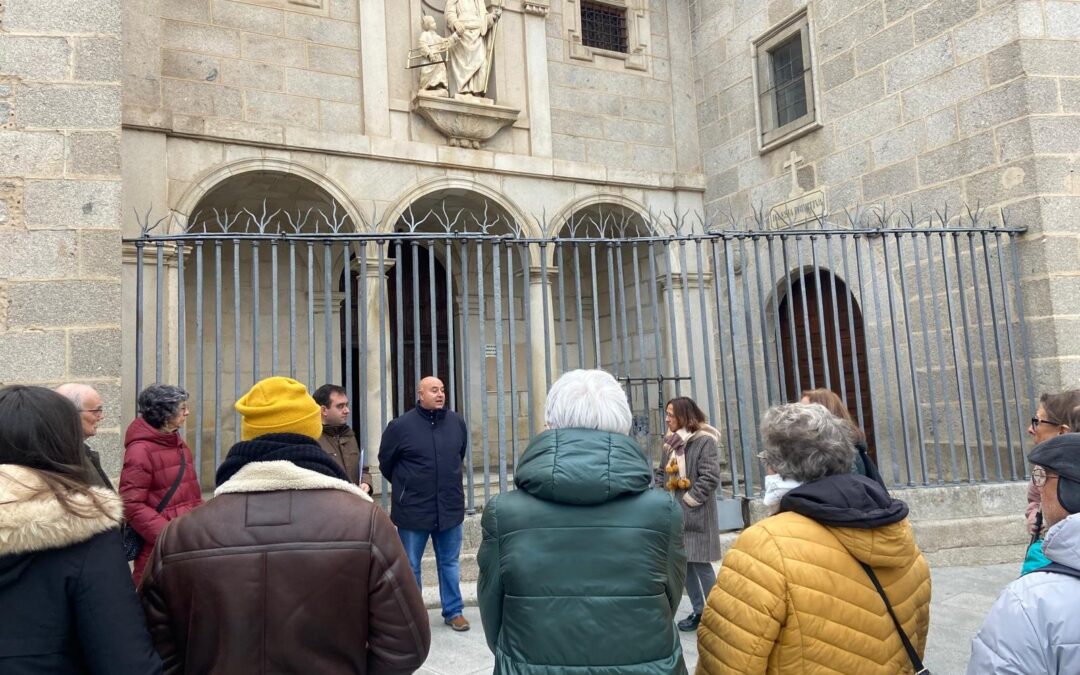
[421,455]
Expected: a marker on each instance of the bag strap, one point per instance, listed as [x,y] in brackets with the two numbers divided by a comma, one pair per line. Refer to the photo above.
[912,654]
[1058,568]
[176,483]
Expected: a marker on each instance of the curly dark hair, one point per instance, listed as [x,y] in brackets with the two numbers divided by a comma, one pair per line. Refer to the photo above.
[159,403]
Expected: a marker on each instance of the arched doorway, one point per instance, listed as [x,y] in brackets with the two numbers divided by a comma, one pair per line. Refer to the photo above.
[809,325]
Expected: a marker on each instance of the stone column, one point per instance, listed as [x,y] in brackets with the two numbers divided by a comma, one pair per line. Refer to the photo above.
[536,58]
[376,83]
[539,293]
[379,392]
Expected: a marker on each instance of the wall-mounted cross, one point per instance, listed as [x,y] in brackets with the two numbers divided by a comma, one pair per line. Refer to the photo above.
[792,163]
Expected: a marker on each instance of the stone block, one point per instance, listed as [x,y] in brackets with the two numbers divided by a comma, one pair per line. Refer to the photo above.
[69,106]
[206,39]
[72,203]
[32,356]
[273,50]
[567,98]
[35,58]
[343,9]
[845,165]
[281,108]
[321,31]
[1005,63]
[577,124]
[897,9]
[941,16]
[98,253]
[877,49]
[339,117]
[837,71]
[944,90]
[985,33]
[63,16]
[849,31]
[1003,499]
[99,59]
[941,128]
[265,76]
[638,132]
[93,154]
[892,180]
[322,85]
[606,152]
[1070,95]
[942,503]
[94,353]
[1055,135]
[658,112]
[197,11]
[567,147]
[334,60]
[39,255]
[1002,183]
[31,153]
[652,158]
[247,17]
[854,94]
[1062,19]
[867,122]
[919,64]
[1051,57]
[189,66]
[34,304]
[898,144]
[206,99]
[1007,102]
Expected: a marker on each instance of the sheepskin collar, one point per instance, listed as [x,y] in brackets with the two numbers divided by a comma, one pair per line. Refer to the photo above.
[705,430]
[38,523]
[283,475]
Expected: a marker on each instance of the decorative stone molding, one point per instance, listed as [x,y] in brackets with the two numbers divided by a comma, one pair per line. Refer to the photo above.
[466,124]
[538,7]
[637,33]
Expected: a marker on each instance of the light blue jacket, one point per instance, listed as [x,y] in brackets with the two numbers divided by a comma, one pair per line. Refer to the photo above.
[1033,626]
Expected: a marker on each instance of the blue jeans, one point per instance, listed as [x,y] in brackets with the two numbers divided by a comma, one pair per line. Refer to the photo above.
[447,546]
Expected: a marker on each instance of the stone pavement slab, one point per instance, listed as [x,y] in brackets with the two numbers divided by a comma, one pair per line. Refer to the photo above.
[961,598]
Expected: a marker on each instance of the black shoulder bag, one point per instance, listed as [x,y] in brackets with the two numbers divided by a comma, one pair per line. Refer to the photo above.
[920,669]
[133,541]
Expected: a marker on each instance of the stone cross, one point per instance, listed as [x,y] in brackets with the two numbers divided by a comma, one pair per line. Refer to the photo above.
[792,162]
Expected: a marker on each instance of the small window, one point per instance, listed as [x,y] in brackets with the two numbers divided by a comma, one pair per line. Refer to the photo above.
[784,81]
[603,26]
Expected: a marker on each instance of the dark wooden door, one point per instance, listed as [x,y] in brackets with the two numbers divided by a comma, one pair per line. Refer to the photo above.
[822,354]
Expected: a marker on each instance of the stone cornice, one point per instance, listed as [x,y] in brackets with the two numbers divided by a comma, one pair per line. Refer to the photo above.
[538,7]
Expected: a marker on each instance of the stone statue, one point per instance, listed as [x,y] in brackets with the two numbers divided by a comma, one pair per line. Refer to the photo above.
[432,47]
[472,23]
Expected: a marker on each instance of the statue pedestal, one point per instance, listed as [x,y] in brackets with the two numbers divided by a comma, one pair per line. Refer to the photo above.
[466,124]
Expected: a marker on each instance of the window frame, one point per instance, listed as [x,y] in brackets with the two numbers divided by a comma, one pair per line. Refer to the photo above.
[636,56]
[621,10]
[769,135]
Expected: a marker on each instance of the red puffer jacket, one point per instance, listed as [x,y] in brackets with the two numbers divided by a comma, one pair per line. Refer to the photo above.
[151,464]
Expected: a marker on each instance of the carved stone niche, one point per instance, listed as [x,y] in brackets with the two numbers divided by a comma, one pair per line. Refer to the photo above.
[465,123]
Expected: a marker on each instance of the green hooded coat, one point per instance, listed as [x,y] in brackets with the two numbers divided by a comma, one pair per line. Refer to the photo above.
[582,567]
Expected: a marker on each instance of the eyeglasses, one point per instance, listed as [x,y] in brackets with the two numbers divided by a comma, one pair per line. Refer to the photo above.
[1035,422]
[1039,476]
[96,412]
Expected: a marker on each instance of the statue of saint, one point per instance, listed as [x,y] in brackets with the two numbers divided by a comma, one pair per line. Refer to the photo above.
[433,48]
[470,53]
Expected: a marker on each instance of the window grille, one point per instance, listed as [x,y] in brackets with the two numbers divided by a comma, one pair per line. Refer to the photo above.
[788,73]
[603,26]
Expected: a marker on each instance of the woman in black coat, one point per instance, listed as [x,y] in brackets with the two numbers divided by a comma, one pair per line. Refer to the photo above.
[68,602]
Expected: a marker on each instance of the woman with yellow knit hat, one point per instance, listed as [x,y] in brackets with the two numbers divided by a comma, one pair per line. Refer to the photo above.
[158,482]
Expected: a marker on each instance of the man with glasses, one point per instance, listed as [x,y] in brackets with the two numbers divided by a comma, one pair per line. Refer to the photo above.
[88,402]
[1057,414]
[1032,628]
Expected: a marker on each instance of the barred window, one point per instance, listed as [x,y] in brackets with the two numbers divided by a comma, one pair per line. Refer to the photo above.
[785,83]
[603,26]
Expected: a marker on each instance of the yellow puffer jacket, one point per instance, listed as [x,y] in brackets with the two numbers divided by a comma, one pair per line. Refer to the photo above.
[792,599]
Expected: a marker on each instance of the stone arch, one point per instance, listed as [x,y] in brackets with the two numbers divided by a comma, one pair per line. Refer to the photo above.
[599,200]
[455,185]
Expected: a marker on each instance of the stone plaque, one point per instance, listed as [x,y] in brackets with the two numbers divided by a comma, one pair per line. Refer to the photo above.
[802,209]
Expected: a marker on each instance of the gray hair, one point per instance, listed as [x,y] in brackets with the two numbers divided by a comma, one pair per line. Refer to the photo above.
[805,442]
[75,392]
[588,399]
[159,403]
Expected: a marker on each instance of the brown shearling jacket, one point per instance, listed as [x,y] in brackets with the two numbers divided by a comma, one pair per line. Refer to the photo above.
[285,570]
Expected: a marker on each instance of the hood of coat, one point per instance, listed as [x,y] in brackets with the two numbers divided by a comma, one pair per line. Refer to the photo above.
[139,430]
[1062,542]
[283,475]
[30,522]
[582,466]
[867,521]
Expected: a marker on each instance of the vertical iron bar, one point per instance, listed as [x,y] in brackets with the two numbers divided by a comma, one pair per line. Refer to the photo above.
[526,293]
[181,319]
[911,361]
[733,319]
[792,332]
[970,365]
[466,371]
[653,293]
[721,330]
[881,350]
[941,352]
[564,364]
[985,360]
[1010,341]
[934,422]
[451,348]
[385,378]
[1000,365]
[669,301]
[311,313]
[855,369]
[763,323]
[896,360]
[482,326]
[200,368]
[779,338]
[292,309]
[1021,324]
[511,296]
[578,305]
[218,361]
[749,326]
[836,320]
[414,248]
[597,362]
[274,306]
[347,338]
[399,316]
[545,293]
[684,274]
[363,350]
[139,310]
[236,336]
[805,310]
[432,314]
[500,373]
[628,342]
[159,310]
[641,326]
[256,346]
[826,366]
[328,310]
[618,352]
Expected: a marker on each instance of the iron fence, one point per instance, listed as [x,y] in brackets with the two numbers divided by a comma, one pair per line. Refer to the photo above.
[917,324]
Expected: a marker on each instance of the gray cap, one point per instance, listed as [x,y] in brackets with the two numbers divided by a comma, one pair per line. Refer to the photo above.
[1062,455]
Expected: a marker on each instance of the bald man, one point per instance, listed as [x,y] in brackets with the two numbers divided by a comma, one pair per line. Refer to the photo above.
[421,454]
[88,402]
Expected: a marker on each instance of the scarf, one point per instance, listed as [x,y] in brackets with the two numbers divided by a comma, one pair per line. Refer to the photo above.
[776,486]
[675,447]
[303,451]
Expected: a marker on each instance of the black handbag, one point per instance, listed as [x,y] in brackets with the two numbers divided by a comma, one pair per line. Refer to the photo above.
[920,669]
[133,541]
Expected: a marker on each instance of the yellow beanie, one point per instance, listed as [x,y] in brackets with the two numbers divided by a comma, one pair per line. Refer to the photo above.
[278,405]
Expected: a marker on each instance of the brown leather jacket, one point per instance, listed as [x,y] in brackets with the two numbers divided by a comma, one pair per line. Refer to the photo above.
[285,570]
[341,444]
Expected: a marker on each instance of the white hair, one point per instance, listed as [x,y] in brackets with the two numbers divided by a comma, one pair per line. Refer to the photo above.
[75,392]
[588,399]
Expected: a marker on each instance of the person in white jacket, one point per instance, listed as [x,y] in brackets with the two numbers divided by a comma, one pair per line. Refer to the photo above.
[1033,626]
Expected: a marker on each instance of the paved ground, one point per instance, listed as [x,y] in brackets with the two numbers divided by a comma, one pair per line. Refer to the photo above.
[962,597]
